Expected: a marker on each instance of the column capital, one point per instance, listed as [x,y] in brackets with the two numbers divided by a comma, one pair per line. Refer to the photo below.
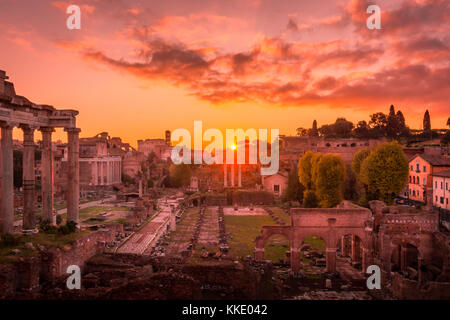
[8,125]
[47,129]
[72,130]
[27,127]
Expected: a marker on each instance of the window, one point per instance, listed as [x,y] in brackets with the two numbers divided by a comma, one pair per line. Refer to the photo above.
[418,180]
[442,200]
[435,184]
[418,167]
[414,179]
[424,181]
[409,179]
[435,198]
[276,188]
[446,200]
[424,169]
[414,193]
[442,185]
[446,186]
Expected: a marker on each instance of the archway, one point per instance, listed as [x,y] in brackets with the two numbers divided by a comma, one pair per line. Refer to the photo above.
[410,261]
[313,255]
[277,249]
[396,258]
[350,246]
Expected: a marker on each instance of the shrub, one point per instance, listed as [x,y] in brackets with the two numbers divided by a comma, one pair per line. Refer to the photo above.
[310,199]
[8,240]
[59,219]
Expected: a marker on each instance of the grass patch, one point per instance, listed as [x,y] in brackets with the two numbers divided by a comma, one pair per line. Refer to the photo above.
[281,214]
[43,239]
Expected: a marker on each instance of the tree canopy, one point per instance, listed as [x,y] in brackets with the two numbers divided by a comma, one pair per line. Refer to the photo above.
[385,171]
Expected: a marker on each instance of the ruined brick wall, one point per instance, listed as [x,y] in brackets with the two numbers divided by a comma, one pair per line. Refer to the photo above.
[407,289]
[26,274]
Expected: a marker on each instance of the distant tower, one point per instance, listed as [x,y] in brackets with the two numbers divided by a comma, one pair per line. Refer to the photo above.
[168,137]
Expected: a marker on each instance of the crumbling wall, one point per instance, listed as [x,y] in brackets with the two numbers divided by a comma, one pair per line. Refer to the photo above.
[407,289]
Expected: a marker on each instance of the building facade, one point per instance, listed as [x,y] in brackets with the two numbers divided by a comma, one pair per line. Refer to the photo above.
[441,191]
[422,167]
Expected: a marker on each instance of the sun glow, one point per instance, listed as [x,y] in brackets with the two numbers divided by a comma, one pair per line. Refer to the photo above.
[233,147]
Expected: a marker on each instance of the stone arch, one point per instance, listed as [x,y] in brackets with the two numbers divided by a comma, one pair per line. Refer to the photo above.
[275,249]
[266,233]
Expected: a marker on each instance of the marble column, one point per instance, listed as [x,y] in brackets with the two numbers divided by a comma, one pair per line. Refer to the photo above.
[225,176]
[232,175]
[7,209]
[296,255]
[47,174]
[239,176]
[29,222]
[73,175]
[102,180]
[95,173]
[259,254]
[331,259]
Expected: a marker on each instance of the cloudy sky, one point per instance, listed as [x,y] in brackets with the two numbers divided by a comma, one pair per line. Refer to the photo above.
[137,68]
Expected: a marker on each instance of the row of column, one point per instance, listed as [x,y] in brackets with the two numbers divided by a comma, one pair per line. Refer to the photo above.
[106,172]
[7,177]
[225,175]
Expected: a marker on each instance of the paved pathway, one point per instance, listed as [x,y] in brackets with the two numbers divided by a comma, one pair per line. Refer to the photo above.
[148,235]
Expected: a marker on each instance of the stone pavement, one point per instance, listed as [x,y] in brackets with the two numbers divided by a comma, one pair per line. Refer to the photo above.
[148,235]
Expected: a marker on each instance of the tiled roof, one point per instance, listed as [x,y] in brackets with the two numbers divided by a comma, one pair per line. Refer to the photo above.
[445,173]
[435,160]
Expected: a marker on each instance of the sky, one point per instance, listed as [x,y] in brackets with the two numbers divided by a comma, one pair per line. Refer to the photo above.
[138,68]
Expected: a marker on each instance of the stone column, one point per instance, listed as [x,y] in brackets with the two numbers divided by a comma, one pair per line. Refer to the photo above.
[102,174]
[356,255]
[225,177]
[232,175]
[29,222]
[259,254]
[295,259]
[403,258]
[7,210]
[239,176]
[140,187]
[95,170]
[47,174]
[331,259]
[108,172]
[73,175]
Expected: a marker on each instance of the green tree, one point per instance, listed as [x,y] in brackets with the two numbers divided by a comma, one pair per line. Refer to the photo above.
[426,122]
[357,160]
[180,175]
[310,199]
[302,132]
[362,130]
[378,125]
[306,169]
[385,171]
[294,191]
[330,176]
[313,132]
[393,124]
